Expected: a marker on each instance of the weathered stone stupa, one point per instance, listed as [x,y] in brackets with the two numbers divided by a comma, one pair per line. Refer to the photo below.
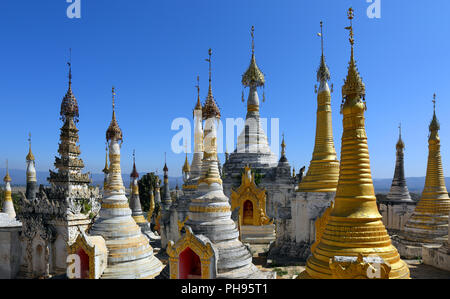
[429,222]
[211,247]
[317,189]
[135,202]
[252,147]
[53,216]
[354,237]
[399,189]
[253,150]
[398,205]
[129,254]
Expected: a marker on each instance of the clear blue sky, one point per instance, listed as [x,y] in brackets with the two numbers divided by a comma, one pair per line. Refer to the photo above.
[152,52]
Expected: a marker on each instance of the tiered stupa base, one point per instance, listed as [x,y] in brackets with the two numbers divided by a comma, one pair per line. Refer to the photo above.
[234,259]
[129,254]
[437,256]
[258,234]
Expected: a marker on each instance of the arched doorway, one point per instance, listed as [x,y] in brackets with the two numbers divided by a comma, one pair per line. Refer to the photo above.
[84,264]
[189,265]
[248,213]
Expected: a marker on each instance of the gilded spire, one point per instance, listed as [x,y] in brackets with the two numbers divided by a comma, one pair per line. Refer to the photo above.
[434,125]
[354,86]
[429,222]
[69,105]
[105,170]
[323,171]
[186,167]
[198,106]
[323,73]
[253,76]
[30,156]
[354,226]
[283,151]
[210,108]
[114,131]
[7,178]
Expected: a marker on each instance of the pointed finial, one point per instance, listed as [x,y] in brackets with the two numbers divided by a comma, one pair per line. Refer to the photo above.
[209,61]
[351,15]
[30,156]
[283,147]
[69,63]
[321,34]
[7,178]
[354,87]
[114,130]
[434,103]
[400,130]
[105,170]
[253,40]
[198,87]
[134,174]
[113,98]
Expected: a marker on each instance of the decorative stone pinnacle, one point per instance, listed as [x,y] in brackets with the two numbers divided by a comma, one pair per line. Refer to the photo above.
[30,156]
[253,76]
[354,86]
[7,178]
[114,131]
[323,73]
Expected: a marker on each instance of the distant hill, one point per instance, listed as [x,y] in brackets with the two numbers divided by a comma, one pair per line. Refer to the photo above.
[415,184]
[19,178]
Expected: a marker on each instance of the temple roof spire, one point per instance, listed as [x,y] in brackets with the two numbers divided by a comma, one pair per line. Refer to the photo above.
[210,108]
[283,151]
[434,125]
[134,174]
[7,177]
[114,131]
[354,86]
[30,156]
[323,73]
[400,144]
[198,106]
[105,170]
[69,105]
[253,77]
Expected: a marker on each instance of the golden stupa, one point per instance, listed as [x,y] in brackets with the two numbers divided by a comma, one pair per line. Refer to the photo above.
[354,229]
[429,222]
[323,171]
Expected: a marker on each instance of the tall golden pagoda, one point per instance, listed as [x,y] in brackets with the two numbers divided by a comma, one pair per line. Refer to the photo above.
[354,229]
[429,222]
[323,171]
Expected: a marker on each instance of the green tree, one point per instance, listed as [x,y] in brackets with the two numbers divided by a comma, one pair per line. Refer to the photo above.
[257,174]
[146,185]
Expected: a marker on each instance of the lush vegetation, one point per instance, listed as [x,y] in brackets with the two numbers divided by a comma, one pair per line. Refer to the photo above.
[147,184]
